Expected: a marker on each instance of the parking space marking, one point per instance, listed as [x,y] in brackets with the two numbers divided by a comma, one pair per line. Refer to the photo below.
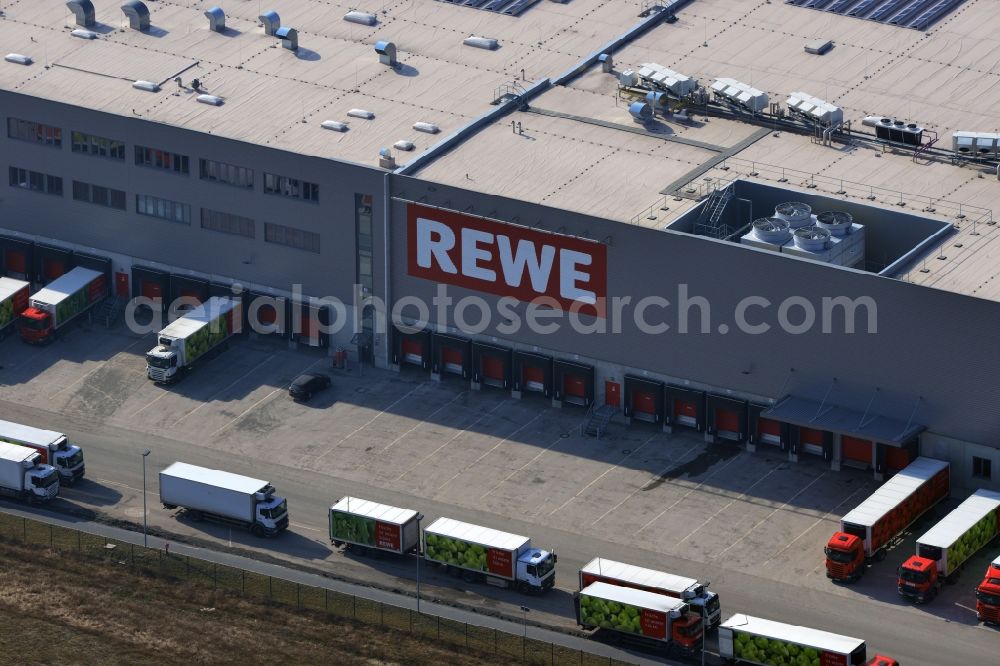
[369,422]
[522,467]
[811,527]
[450,440]
[305,527]
[150,403]
[673,463]
[246,411]
[604,473]
[99,366]
[480,458]
[731,502]
[122,485]
[208,400]
[685,495]
[768,516]
[423,421]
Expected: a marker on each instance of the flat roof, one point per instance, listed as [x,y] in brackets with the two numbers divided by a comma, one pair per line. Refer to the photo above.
[483,536]
[976,507]
[26,433]
[15,452]
[814,638]
[10,286]
[638,575]
[381,512]
[894,491]
[214,477]
[65,284]
[197,317]
[633,597]
[824,416]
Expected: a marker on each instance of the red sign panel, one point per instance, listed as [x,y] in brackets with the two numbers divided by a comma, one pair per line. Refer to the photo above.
[832,659]
[653,623]
[387,536]
[500,562]
[506,260]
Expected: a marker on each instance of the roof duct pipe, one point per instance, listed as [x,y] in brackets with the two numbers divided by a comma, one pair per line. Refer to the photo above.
[271,22]
[386,53]
[289,38]
[137,13]
[83,10]
[216,19]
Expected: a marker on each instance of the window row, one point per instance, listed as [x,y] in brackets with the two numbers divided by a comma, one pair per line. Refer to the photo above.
[35,181]
[89,144]
[26,130]
[98,194]
[164,209]
[293,188]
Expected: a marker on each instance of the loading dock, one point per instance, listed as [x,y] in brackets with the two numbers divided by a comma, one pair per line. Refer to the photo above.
[151,283]
[491,366]
[573,383]
[268,315]
[765,431]
[18,258]
[51,263]
[812,441]
[310,320]
[184,286]
[452,356]
[94,263]
[411,348]
[643,399]
[856,452]
[532,373]
[890,459]
[727,418]
[685,407]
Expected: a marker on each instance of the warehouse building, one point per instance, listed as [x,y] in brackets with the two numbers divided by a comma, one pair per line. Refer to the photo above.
[291,155]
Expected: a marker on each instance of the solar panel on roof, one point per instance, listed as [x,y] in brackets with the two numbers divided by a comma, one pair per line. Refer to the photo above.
[506,7]
[916,14]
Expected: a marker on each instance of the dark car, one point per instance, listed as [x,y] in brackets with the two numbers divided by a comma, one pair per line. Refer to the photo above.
[307,385]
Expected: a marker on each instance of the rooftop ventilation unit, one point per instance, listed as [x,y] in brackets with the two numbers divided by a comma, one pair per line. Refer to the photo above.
[148,86]
[84,34]
[772,230]
[386,53]
[334,125]
[137,13]
[964,142]
[83,10]
[796,213]
[429,128]
[403,144]
[987,145]
[289,38]
[657,100]
[812,239]
[271,22]
[607,63]
[216,19]
[819,46]
[740,94]
[641,112]
[837,222]
[18,59]
[385,159]
[487,43]
[663,78]
[896,131]
[361,18]
[214,100]
[814,109]
[628,78]
[361,113]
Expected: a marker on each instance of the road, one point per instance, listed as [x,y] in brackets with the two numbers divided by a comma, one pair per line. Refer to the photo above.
[931,635]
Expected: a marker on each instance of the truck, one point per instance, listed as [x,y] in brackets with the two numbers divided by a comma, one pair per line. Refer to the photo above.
[61,302]
[13,301]
[752,640]
[946,547]
[876,523]
[189,338]
[988,595]
[370,527]
[23,475]
[646,618]
[224,497]
[53,446]
[696,594]
[482,554]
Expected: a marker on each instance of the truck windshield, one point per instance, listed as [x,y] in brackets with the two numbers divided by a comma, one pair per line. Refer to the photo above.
[912,576]
[712,605]
[276,511]
[34,324]
[158,361]
[545,566]
[44,481]
[839,555]
[71,461]
[988,599]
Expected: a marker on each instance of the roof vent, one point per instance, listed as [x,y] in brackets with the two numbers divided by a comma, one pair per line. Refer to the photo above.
[84,34]
[361,18]
[429,128]
[487,43]
[18,59]
[772,230]
[641,112]
[361,113]
[796,213]
[289,38]
[607,62]
[403,144]
[148,86]
[837,222]
[216,19]
[214,100]
[271,22]
[386,53]
[137,13]
[812,239]
[334,125]
[628,78]
[819,46]
[385,159]
[657,100]
[83,10]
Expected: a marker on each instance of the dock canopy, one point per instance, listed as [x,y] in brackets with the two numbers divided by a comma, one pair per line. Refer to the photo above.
[834,418]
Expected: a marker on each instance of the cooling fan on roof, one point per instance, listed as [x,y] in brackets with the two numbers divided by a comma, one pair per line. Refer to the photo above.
[793,209]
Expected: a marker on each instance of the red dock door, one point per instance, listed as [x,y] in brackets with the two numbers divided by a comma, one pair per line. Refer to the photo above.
[15,261]
[769,431]
[152,290]
[52,268]
[686,413]
[644,405]
[613,394]
[493,374]
[811,441]
[727,421]
[534,378]
[121,285]
[413,351]
[451,360]
[575,389]
[856,449]
[897,458]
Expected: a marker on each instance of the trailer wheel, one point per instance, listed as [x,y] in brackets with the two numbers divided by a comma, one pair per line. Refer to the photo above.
[257,531]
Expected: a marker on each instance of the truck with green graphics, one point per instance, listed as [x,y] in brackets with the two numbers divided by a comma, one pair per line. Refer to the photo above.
[744,639]
[60,302]
[13,301]
[370,527]
[647,618]
[947,546]
[205,328]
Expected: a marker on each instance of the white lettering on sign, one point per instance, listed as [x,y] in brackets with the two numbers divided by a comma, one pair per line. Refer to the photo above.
[428,246]
[525,257]
[472,254]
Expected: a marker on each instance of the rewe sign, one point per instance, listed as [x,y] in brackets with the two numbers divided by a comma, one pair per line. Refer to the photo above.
[506,260]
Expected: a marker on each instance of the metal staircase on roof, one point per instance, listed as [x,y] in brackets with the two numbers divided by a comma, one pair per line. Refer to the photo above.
[708,223]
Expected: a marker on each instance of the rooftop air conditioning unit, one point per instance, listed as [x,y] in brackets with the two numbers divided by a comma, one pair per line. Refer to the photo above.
[772,230]
[812,239]
[895,131]
[837,222]
[796,213]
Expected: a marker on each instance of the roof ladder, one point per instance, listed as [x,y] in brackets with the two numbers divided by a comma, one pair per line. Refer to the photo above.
[711,213]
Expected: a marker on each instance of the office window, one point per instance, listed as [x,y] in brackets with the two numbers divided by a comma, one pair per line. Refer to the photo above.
[282,235]
[25,130]
[88,144]
[98,194]
[161,159]
[982,468]
[174,211]
[292,188]
[226,223]
[230,174]
[36,182]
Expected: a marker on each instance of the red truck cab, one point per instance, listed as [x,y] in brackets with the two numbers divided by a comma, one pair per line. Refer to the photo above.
[686,632]
[34,325]
[882,660]
[988,595]
[845,557]
[918,579]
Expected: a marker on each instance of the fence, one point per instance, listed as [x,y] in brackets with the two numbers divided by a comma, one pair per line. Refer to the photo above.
[271,589]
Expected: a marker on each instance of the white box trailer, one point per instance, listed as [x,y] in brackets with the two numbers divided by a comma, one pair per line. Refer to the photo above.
[366,524]
[13,301]
[963,532]
[189,338]
[23,476]
[224,496]
[60,302]
[482,553]
[638,614]
[754,640]
[692,591]
[53,446]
